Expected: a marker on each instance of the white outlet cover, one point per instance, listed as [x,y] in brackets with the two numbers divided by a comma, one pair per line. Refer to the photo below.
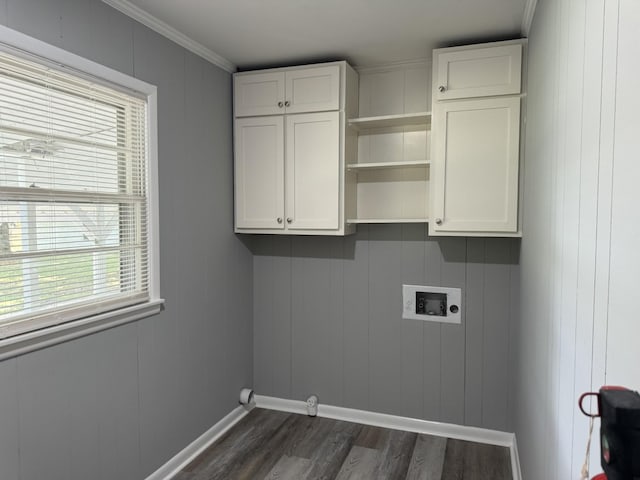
[454,297]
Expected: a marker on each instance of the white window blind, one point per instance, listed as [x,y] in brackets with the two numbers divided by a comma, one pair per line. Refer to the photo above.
[73,197]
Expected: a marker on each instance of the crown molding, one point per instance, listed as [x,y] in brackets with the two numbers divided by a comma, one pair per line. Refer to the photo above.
[527,18]
[171,33]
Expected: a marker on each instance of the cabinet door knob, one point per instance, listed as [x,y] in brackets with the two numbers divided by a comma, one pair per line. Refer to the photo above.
[287,103]
[289,219]
[438,221]
[280,104]
[442,88]
[279,219]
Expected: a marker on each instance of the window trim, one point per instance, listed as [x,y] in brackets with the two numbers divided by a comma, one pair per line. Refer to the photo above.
[28,47]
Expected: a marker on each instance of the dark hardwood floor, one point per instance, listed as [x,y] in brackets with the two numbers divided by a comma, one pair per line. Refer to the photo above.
[270,445]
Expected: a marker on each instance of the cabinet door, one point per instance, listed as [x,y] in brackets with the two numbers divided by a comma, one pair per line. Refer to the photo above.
[259,172]
[475,166]
[313,171]
[258,94]
[480,72]
[313,89]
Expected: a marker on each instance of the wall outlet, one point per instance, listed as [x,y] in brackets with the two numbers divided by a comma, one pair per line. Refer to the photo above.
[312,406]
[432,304]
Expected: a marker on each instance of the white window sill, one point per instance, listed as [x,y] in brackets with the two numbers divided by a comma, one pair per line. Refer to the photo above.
[28,342]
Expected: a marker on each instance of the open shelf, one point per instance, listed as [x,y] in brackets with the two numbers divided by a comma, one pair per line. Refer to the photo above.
[383,165]
[401,120]
[391,176]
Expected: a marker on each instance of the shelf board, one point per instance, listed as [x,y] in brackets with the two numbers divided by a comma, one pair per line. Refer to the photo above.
[404,119]
[387,220]
[384,165]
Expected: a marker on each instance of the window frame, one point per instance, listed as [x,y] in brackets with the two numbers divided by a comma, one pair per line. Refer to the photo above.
[30,48]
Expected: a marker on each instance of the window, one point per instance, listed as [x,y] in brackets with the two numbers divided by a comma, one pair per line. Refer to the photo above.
[75,232]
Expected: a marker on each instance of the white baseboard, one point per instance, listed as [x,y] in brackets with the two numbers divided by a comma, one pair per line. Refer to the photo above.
[195,448]
[459,432]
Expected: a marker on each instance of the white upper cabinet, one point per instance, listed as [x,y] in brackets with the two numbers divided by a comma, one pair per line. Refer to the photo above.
[476,182]
[290,158]
[313,89]
[475,158]
[477,72]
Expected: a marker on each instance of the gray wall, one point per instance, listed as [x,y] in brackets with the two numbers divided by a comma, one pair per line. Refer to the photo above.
[327,320]
[118,404]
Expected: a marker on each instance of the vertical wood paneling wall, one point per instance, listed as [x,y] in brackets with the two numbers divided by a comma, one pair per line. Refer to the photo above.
[327,320]
[578,328]
[623,325]
[120,403]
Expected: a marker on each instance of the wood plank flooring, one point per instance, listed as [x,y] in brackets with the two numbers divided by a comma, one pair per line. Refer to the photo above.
[271,445]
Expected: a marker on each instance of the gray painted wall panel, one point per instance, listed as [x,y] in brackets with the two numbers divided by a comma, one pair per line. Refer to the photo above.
[336,313]
[231,326]
[40,19]
[474,315]
[282,326]
[162,379]
[272,315]
[514,329]
[432,380]
[263,320]
[9,438]
[495,335]
[316,345]
[356,319]
[90,29]
[120,403]
[452,336]
[57,393]
[346,293]
[190,371]
[412,341]
[385,262]
[95,30]
[78,409]
[117,404]
[3,11]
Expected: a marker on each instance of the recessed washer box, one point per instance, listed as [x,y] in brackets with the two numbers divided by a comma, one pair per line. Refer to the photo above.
[432,304]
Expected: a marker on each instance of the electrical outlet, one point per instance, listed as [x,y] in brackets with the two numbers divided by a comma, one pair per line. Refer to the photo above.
[312,406]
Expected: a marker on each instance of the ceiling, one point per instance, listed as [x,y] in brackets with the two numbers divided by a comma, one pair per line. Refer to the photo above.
[258,33]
